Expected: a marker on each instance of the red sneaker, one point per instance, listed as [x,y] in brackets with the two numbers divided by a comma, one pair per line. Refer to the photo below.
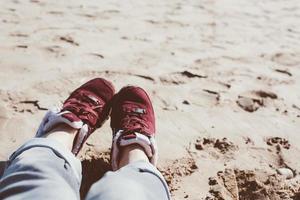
[133,122]
[86,109]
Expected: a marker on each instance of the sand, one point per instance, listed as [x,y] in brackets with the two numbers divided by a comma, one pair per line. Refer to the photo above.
[224,77]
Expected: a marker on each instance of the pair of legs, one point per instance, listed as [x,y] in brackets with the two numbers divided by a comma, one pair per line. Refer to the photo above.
[129,154]
[45,167]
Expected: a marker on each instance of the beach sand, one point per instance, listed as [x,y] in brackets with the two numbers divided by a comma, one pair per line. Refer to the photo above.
[224,77]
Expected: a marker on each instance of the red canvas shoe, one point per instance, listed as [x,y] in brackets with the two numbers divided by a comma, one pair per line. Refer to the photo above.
[86,109]
[133,122]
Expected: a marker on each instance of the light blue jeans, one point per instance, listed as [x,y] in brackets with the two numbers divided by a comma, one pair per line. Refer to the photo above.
[44,169]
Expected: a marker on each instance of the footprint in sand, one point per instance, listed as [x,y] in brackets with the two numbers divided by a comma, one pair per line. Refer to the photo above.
[216,148]
[236,184]
[286,59]
[252,101]
[278,141]
[178,169]
[277,145]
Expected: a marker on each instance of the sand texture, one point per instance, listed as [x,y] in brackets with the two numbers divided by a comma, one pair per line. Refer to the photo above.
[224,77]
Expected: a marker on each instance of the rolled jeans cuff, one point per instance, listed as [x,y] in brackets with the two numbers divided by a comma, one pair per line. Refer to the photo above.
[57,148]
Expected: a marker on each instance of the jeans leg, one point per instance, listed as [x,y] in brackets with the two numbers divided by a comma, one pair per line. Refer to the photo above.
[41,169]
[136,181]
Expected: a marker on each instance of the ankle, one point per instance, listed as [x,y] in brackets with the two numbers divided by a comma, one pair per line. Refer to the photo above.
[64,134]
[132,153]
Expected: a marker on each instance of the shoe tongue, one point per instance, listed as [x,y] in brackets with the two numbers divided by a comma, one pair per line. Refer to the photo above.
[93,98]
[133,109]
[139,111]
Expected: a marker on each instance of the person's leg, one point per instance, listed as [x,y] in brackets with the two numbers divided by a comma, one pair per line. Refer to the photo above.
[134,152]
[131,154]
[45,167]
[137,179]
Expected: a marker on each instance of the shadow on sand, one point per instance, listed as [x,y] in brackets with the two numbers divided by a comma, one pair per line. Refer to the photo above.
[2,167]
[92,171]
